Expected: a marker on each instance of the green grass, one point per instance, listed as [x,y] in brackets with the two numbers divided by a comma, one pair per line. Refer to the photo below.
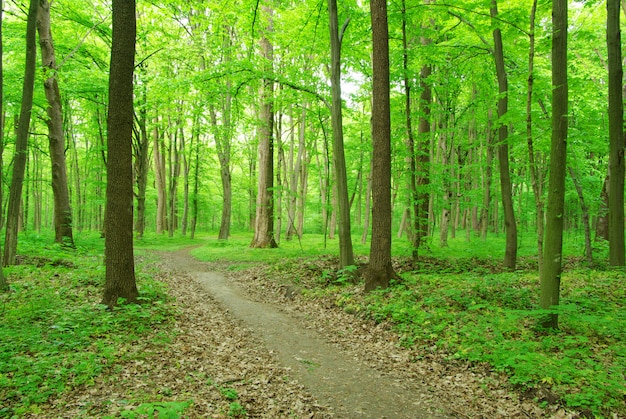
[492,318]
[55,335]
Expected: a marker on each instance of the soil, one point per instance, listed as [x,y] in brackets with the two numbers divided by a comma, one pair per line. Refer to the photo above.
[248,346]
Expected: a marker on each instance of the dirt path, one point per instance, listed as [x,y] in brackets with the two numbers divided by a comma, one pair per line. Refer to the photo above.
[240,344]
[349,387]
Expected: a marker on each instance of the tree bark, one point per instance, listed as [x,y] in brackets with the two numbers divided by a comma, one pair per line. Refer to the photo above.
[617,257]
[380,271]
[552,255]
[412,214]
[535,178]
[487,179]
[21,140]
[602,221]
[142,157]
[56,140]
[585,210]
[264,221]
[118,251]
[510,255]
[4,285]
[346,254]
[160,176]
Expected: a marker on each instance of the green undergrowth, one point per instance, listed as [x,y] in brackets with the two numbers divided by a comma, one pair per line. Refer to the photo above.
[55,335]
[493,319]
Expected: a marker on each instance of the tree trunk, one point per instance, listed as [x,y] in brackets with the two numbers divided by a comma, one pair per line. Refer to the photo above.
[602,222]
[194,196]
[585,209]
[368,205]
[160,176]
[4,285]
[535,178]
[346,254]
[487,180]
[280,175]
[186,166]
[552,255]
[617,257]
[60,190]
[264,221]
[142,157]
[174,155]
[21,140]
[413,214]
[380,271]
[297,172]
[510,255]
[118,253]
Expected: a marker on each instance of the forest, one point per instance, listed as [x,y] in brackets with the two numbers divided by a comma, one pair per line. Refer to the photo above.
[451,170]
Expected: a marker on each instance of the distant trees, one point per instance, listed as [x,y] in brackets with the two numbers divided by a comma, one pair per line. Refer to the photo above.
[214,85]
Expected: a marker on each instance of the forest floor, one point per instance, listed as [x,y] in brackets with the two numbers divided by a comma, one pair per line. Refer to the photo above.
[247,346]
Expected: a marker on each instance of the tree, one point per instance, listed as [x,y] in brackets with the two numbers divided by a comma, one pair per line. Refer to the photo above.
[380,271]
[21,141]
[118,253]
[552,255]
[423,150]
[536,177]
[510,255]
[616,135]
[264,221]
[56,138]
[4,285]
[346,255]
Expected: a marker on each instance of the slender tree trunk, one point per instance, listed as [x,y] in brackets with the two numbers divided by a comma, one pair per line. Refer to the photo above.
[21,141]
[160,176]
[487,180]
[194,196]
[535,178]
[380,271]
[62,210]
[264,221]
[423,151]
[297,174]
[368,206]
[413,207]
[346,254]
[142,158]
[280,175]
[118,253]
[186,165]
[602,222]
[175,156]
[617,257]
[510,255]
[552,256]
[4,285]
[585,210]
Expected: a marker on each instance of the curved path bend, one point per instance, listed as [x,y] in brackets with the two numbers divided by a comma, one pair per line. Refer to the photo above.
[346,385]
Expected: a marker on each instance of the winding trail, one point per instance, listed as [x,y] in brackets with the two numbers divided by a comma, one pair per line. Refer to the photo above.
[336,379]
